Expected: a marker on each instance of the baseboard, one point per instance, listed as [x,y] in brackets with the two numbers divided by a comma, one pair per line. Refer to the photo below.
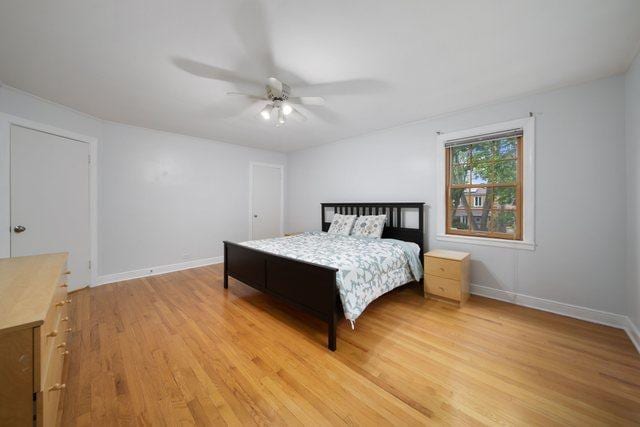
[583,313]
[634,333]
[153,271]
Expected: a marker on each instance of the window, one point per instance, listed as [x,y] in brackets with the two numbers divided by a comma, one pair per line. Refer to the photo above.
[486,185]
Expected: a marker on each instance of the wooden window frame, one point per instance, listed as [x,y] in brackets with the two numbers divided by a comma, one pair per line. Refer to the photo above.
[518,235]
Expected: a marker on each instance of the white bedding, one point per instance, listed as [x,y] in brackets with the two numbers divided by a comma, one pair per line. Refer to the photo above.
[367,267]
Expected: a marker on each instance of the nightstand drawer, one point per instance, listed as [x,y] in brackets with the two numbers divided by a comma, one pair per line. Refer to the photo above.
[446,268]
[443,287]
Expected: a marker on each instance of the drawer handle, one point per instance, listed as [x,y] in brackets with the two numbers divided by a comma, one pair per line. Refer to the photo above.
[67,272]
[64,285]
[68,300]
[65,319]
[62,345]
[68,330]
[52,334]
[441,288]
[60,304]
[64,353]
[58,387]
[441,268]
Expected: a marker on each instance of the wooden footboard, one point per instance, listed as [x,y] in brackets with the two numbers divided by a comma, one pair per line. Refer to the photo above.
[304,285]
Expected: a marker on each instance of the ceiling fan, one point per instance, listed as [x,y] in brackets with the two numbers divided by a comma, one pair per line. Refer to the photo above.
[280,104]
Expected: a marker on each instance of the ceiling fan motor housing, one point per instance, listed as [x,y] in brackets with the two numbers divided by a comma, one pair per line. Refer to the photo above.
[278,96]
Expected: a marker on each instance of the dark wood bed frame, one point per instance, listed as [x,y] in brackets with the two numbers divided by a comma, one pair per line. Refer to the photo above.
[307,286]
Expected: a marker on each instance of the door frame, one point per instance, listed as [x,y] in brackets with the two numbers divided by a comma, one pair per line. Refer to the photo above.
[6,121]
[271,165]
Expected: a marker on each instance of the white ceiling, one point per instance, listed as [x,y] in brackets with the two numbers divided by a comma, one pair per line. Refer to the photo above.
[377,63]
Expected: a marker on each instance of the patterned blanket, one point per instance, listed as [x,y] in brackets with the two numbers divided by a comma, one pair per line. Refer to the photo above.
[367,267]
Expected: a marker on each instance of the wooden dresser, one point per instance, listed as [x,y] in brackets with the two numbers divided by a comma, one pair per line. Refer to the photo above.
[34,326]
[446,275]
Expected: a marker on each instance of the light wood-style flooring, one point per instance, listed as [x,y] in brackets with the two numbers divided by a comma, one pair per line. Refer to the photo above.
[179,349]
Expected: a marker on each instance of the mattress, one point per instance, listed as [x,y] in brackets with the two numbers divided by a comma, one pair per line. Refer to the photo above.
[367,267]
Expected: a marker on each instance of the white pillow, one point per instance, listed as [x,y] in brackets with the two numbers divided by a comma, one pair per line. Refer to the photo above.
[342,224]
[369,226]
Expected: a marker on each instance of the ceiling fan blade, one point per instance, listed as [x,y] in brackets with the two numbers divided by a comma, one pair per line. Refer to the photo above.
[207,71]
[253,29]
[308,100]
[344,87]
[247,95]
[276,86]
[296,114]
[323,113]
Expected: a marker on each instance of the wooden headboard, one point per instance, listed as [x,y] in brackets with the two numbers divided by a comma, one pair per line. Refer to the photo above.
[394,227]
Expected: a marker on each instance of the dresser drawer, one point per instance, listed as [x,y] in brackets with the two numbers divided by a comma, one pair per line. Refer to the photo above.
[52,386]
[446,268]
[443,287]
[53,326]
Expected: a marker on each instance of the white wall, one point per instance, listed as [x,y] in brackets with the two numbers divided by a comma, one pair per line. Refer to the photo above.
[580,190]
[632,97]
[167,198]
[163,198]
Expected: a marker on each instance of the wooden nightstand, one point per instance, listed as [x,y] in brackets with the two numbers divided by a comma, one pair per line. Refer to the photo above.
[446,276]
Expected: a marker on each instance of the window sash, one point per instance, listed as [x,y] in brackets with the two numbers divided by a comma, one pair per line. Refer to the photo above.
[517,185]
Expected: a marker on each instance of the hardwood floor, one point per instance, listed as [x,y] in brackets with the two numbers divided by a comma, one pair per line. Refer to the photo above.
[179,349]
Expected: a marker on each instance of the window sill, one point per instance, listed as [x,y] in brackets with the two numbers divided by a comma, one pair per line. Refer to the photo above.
[486,241]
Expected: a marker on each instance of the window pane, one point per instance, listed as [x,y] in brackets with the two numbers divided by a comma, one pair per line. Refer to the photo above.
[505,171]
[481,174]
[500,172]
[484,151]
[503,222]
[465,213]
[504,198]
[507,148]
[460,174]
[457,209]
[460,154]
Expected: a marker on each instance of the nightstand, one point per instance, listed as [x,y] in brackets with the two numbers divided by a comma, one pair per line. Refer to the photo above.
[446,276]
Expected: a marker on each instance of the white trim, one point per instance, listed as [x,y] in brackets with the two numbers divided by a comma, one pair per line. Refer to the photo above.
[583,313]
[634,333]
[6,121]
[486,241]
[270,165]
[161,269]
[528,189]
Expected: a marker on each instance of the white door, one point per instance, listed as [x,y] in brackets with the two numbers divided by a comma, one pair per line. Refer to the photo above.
[50,199]
[266,201]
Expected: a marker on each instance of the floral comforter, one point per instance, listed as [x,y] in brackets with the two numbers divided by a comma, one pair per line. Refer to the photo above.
[367,267]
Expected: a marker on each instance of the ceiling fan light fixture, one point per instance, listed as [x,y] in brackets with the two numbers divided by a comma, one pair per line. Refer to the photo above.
[287,109]
[266,112]
[281,116]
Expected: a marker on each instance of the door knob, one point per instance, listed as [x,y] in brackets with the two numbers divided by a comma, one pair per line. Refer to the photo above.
[254,215]
[19,228]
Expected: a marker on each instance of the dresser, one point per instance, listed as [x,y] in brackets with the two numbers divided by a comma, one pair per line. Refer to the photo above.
[34,326]
[446,275]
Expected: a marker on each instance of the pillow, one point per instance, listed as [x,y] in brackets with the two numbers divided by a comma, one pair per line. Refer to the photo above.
[342,224]
[369,226]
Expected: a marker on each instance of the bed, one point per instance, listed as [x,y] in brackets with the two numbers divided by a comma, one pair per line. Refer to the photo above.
[327,275]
